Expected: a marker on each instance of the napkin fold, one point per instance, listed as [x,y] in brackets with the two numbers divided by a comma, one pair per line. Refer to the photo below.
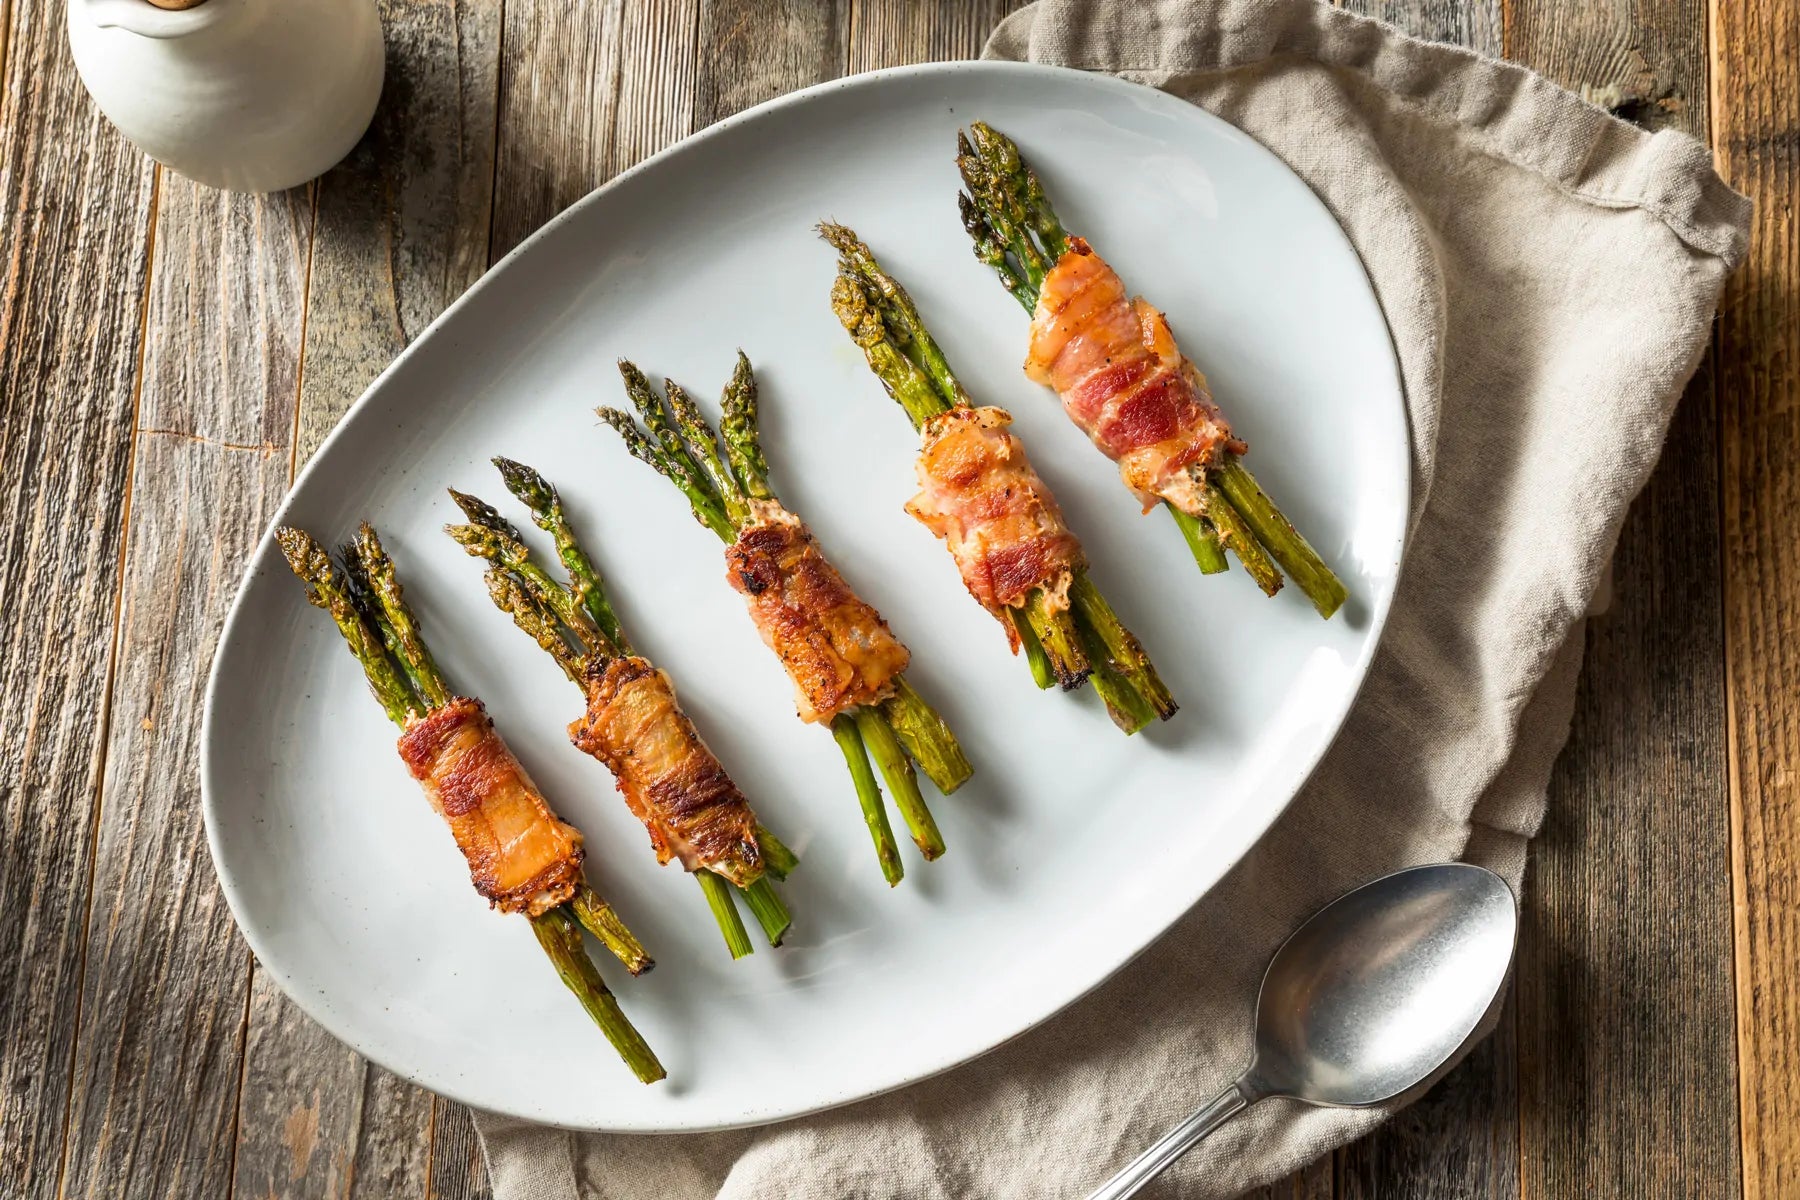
[1549,274]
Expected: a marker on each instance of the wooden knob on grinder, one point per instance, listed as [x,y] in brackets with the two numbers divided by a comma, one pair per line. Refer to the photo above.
[177,4]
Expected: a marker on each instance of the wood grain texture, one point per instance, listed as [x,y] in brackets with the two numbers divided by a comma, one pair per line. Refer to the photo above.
[316,1119]
[1606,1075]
[75,216]
[1756,127]
[1625,1014]
[1644,60]
[157,1066]
[403,222]
[892,33]
[586,90]
[752,50]
[458,1171]
[1477,24]
[401,230]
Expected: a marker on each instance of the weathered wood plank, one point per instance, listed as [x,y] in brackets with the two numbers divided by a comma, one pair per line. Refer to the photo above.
[1625,1005]
[892,33]
[458,1172]
[1756,105]
[586,90]
[1477,24]
[76,208]
[403,222]
[752,50]
[316,1119]
[401,231]
[163,996]
[1644,61]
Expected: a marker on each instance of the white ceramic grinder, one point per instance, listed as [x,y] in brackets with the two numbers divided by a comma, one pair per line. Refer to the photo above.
[250,95]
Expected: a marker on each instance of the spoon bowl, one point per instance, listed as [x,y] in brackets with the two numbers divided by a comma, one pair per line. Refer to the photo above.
[1372,997]
[1379,990]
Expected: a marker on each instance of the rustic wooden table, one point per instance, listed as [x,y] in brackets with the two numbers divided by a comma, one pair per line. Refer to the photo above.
[169,355]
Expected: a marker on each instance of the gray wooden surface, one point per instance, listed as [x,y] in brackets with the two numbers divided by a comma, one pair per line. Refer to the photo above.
[169,356]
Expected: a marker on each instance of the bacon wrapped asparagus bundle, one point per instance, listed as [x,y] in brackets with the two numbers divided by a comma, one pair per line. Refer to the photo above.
[520,855]
[1114,362]
[845,663]
[671,782]
[981,495]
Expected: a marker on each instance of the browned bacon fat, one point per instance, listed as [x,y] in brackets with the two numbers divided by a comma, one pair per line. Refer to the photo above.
[837,650]
[980,494]
[521,857]
[1114,362]
[665,772]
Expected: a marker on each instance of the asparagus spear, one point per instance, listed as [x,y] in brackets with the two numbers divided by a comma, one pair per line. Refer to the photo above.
[883,320]
[1016,232]
[547,512]
[560,937]
[722,475]
[369,563]
[576,625]
[366,603]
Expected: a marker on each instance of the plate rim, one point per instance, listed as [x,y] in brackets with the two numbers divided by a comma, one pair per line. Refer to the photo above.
[210,789]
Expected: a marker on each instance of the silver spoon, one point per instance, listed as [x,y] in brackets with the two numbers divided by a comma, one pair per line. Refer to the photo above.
[1365,1001]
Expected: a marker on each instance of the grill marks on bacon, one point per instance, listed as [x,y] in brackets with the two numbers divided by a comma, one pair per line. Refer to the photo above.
[520,856]
[668,777]
[1113,360]
[979,493]
[836,648]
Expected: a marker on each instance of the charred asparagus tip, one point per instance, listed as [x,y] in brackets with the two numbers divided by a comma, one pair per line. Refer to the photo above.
[481,541]
[532,489]
[328,589]
[535,618]
[589,591]
[408,641]
[307,559]
[482,513]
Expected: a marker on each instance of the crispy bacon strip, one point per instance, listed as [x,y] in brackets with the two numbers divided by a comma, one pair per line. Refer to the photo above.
[665,772]
[979,492]
[836,648]
[1114,362]
[521,857]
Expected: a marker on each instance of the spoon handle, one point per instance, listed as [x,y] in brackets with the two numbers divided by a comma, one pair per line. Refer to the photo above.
[1172,1145]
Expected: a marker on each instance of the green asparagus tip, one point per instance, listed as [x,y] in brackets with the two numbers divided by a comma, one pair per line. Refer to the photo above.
[308,559]
[635,441]
[840,237]
[531,488]
[481,541]
[482,513]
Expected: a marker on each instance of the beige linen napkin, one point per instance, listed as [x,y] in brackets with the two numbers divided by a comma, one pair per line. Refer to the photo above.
[1549,275]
